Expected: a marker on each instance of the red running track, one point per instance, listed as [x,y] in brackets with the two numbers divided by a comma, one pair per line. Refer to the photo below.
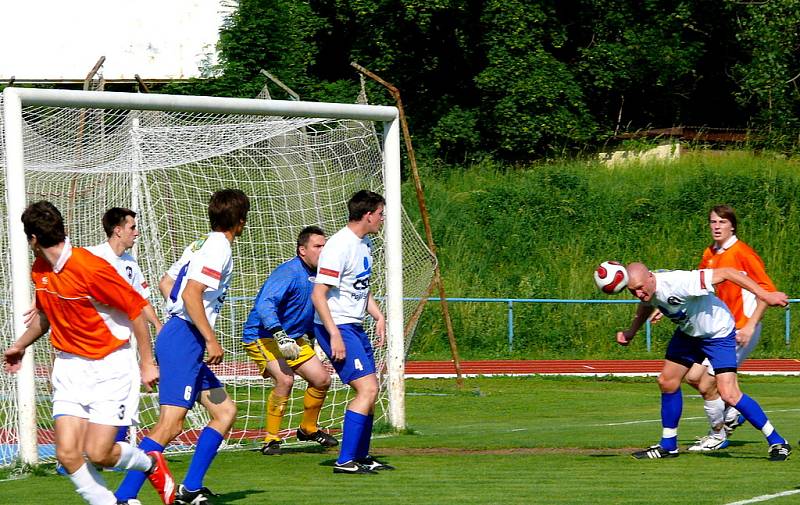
[420,369]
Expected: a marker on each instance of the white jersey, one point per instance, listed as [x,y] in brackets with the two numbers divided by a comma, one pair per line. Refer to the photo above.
[345,264]
[209,261]
[687,298]
[125,265]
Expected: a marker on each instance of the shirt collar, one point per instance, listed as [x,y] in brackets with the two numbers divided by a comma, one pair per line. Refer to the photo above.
[66,252]
[727,245]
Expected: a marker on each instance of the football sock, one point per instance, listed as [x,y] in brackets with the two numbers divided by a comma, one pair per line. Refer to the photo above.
[131,458]
[134,479]
[276,406]
[204,453]
[671,408]
[352,429]
[90,485]
[715,411]
[312,404]
[731,414]
[366,437]
[122,434]
[755,415]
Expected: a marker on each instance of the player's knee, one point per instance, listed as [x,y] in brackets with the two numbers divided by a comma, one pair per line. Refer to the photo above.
[100,457]
[668,384]
[69,457]
[730,395]
[368,392]
[225,414]
[284,383]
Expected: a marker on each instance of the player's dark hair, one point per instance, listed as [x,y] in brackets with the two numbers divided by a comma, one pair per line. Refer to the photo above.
[44,220]
[725,212]
[227,208]
[115,216]
[363,202]
[305,236]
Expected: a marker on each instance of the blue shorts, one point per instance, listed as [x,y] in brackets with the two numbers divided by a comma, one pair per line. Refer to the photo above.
[180,349]
[686,351]
[359,360]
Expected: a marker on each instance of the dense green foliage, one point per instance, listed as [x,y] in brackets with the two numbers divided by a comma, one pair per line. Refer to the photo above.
[539,233]
[522,80]
[530,440]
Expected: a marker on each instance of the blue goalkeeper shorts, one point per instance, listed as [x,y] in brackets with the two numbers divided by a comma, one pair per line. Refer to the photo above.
[180,349]
[359,360]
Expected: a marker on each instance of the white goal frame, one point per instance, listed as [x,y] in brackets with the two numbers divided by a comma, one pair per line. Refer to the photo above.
[15,98]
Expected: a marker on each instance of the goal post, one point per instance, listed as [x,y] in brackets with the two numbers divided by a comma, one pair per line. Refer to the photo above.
[17,134]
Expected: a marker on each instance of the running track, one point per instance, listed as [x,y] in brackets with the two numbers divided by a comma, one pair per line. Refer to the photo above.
[422,369]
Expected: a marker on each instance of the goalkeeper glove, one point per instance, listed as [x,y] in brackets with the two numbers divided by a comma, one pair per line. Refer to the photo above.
[287,345]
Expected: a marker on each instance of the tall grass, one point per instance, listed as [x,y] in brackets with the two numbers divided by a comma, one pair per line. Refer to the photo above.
[539,231]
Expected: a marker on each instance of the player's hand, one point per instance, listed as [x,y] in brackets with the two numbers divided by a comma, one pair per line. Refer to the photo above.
[150,374]
[215,353]
[12,358]
[287,345]
[338,351]
[623,338]
[743,336]
[656,316]
[380,331]
[776,299]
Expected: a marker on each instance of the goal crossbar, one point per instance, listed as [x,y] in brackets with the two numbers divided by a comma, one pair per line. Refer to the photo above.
[15,98]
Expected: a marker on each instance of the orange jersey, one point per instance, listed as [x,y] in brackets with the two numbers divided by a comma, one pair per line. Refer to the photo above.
[88,304]
[740,256]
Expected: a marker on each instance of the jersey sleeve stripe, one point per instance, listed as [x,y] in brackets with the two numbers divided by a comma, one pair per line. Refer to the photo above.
[329,272]
[211,273]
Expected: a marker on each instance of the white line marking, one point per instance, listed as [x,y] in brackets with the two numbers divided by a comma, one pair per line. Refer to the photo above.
[765,497]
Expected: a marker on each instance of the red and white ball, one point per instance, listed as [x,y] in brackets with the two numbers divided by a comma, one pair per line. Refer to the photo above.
[611,277]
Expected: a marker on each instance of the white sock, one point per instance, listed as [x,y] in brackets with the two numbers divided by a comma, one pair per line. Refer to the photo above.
[132,458]
[90,485]
[715,411]
[731,414]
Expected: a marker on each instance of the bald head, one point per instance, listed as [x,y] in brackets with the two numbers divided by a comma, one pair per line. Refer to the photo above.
[641,282]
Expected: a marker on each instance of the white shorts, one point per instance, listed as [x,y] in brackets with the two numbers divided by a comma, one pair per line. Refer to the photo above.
[104,391]
[741,352]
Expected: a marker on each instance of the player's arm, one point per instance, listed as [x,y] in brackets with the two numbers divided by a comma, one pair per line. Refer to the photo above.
[12,356]
[193,305]
[147,363]
[151,317]
[165,285]
[319,297]
[745,333]
[731,274]
[643,311]
[276,289]
[374,310]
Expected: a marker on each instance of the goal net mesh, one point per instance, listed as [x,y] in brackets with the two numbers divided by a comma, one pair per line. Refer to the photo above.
[165,166]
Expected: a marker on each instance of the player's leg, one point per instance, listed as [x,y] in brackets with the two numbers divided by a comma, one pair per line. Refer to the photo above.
[275,366]
[358,371]
[70,432]
[733,419]
[223,414]
[309,367]
[722,354]
[682,353]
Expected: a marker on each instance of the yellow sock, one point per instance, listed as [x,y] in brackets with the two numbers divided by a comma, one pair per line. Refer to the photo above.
[276,405]
[312,404]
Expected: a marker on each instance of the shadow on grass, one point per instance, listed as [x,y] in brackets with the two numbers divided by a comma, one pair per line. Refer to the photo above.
[237,496]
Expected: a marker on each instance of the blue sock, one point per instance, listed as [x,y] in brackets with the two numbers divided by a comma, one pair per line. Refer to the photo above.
[671,409]
[755,415]
[363,445]
[122,434]
[204,454]
[352,429]
[134,479]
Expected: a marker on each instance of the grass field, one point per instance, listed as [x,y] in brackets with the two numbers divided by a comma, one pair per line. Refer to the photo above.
[511,441]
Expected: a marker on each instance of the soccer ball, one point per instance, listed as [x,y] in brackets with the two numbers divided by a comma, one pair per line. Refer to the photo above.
[611,277]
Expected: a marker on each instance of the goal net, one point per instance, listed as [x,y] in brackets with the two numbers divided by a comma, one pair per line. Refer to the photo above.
[164,164]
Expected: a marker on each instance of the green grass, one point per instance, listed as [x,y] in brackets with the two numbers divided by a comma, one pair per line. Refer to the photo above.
[511,441]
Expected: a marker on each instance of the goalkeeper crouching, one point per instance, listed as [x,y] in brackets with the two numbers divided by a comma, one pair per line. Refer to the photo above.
[275,338]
